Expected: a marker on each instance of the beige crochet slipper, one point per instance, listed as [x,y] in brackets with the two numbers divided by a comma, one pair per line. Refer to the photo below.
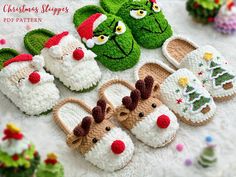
[141,113]
[92,133]
[205,62]
[180,90]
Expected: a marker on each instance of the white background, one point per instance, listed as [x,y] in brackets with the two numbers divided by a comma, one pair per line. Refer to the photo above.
[146,161]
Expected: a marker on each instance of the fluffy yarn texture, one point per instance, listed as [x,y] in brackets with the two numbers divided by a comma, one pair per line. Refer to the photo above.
[114,49]
[145,19]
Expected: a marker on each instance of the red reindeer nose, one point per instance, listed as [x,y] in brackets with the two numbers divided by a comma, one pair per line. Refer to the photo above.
[118,147]
[34,77]
[78,54]
[163,121]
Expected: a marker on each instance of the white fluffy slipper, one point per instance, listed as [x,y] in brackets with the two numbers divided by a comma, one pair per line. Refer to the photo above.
[92,133]
[66,58]
[24,81]
[205,62]
[180,90]
[141,113]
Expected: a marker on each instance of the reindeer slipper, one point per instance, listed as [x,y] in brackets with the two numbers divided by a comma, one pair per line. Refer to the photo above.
[92,133]
[66,58]
[24,81]
[108,37]
[205,62]
[180,90]
[145,18]
[141,113]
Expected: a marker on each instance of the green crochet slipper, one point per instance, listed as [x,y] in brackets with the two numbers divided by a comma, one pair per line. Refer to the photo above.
[108,37]
[145,19]
[6,54]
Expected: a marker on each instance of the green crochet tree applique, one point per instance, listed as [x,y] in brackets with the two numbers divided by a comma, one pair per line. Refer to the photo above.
[207,157]
[145,19]
[204,11]
[108,37]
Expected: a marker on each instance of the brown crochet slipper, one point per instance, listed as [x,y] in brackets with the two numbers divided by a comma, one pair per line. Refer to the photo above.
[91,132]
[205,62]
[141,113]
[180,90]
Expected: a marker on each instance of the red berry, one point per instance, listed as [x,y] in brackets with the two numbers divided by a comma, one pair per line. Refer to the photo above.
[118,147]
[217,1]
[211,19]
[163,121]
[195,5]
[15,157]
[34,77]
[78,54]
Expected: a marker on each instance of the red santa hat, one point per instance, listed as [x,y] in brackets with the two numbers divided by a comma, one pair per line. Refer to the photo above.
[55,40]
[19,58]
[86,28]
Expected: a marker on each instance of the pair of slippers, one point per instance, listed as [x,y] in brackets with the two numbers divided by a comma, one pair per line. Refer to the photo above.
[30,88]
[106,146]
[115,32]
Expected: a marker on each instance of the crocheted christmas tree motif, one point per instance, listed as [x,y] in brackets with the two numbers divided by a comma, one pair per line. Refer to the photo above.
[197,101]
[50,167]
[204,11]
[18,157]
[220,76]
[207,157]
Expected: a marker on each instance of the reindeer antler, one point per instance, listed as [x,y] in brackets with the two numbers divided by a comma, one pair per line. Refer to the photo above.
[145,86]
[83,129]
[131,102]
[99,111]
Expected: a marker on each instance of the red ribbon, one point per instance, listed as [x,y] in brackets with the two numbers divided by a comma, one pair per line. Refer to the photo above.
[12,135]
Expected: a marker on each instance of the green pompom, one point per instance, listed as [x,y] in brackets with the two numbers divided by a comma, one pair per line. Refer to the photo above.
[151,30]
[45,170]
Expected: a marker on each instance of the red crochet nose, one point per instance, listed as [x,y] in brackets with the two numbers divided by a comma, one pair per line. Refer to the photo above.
[163,121]
[118,147]
[78,54]
[34,77]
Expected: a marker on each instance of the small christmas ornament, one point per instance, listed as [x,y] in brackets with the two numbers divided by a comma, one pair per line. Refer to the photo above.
[18,157]
[225,21]
[203,11]
[50,167]
[179,147]
[207,157]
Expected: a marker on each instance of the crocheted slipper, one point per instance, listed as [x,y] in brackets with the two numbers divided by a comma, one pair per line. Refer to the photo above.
[108,37]
[181,91]
[92,133]
[65,57]
[24,81]
[141,113]
[205,62]
[145,19]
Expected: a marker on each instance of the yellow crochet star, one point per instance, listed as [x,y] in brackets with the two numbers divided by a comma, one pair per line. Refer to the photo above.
[13,128]
[208,56]
[52,156]
[183,81]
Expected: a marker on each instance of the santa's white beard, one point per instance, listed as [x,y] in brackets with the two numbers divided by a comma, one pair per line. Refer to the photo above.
[102,156]
[148,132]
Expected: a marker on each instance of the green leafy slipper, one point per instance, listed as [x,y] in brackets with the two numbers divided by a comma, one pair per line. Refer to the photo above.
[18,157]
[65,57]
[108,37]
[24,81]
[145,19]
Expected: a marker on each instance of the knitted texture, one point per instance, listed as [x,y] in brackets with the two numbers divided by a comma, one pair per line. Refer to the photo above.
[114,44]
[66,58]
[94,135]
[6,54]
[145,19]
[30,97]
[141,119]
[225,21]
[203,11]
[207,157]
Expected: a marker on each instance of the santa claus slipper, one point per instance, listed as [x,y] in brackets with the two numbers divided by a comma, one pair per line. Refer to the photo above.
[24,81]
[144,17]
[205,62]
[180,90]
[142,114]
[92,133]
[66,58]
[108,37]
